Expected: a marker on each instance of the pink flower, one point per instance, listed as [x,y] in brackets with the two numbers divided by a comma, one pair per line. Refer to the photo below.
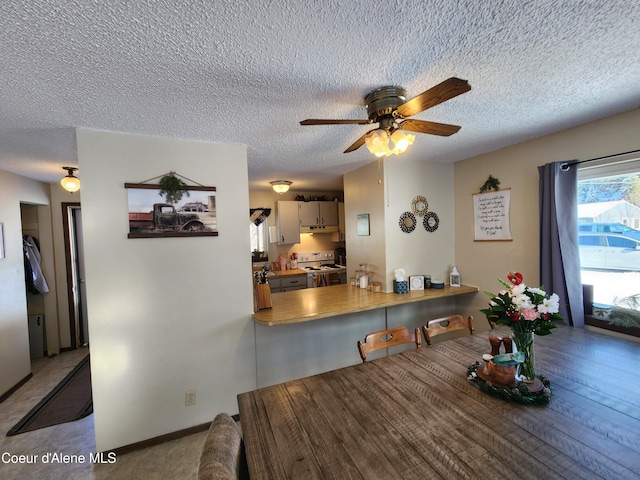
[529,313]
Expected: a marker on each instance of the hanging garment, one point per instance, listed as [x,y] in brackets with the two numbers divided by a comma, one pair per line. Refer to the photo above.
[36,283]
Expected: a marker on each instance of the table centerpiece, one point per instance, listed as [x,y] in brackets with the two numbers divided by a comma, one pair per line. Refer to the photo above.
[527,311]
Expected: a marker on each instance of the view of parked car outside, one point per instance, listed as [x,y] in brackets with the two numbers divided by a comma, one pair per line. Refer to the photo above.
[609,236]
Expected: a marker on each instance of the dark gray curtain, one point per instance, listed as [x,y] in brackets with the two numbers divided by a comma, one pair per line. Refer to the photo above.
[559,254]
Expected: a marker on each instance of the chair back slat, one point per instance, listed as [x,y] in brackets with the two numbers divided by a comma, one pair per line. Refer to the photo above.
[388,338]
[442,325]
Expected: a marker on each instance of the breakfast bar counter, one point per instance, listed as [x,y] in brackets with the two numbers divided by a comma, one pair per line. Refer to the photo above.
[317,303]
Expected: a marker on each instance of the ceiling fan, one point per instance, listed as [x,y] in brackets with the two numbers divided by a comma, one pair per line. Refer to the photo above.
[388,107]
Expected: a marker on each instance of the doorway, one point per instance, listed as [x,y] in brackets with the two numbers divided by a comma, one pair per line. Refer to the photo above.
[76,286]
[35,290]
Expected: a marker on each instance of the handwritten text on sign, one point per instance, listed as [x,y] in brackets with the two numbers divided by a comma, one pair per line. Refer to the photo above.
[491,215]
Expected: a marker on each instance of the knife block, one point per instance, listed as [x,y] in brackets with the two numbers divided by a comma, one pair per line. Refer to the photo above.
[261,296]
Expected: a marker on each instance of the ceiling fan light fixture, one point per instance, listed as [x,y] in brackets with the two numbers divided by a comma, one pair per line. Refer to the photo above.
[381,144]
[377,142]
[388,105]
[281,186]
[70,182]
[401,141]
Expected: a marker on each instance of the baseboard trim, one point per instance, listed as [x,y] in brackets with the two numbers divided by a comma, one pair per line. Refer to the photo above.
[12,390]
[152,442]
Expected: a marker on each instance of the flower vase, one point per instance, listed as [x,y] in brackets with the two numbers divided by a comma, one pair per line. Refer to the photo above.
[524,343]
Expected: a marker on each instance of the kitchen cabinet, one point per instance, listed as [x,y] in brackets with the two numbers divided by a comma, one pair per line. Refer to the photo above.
[296,282]
[287,222]
[275,284]
[287,284]
[340,235]
[314,214]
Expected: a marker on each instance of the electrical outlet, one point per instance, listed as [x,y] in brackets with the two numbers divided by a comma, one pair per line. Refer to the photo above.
[189,398]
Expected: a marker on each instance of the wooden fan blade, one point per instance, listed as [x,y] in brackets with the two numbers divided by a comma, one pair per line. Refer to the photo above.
[452,87]
[315,121]
[422,126]
[358,143]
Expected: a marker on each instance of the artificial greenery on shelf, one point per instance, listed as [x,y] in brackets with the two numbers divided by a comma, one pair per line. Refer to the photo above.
[492,183]
[173,188]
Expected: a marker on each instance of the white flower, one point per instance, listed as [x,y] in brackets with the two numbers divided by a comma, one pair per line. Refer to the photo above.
[522,301]
[518,289]
[537,291]
[550,305]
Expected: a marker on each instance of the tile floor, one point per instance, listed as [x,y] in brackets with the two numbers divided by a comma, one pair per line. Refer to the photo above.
[177,459]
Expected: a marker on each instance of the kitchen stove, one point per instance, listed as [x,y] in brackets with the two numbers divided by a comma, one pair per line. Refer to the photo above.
[321,269]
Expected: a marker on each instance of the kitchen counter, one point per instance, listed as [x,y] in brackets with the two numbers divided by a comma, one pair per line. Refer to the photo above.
[316,303]
[281,273]
[286,273]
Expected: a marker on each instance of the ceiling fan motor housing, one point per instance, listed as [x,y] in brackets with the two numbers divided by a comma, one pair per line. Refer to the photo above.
[383,101]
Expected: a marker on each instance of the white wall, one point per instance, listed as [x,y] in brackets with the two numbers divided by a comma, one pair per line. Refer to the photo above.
[363,194]
[419,252]
[14,335]
[482,263]
[387,248]
[166,315]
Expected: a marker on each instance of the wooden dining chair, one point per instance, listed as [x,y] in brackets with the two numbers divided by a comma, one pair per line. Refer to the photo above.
[388,338]
[223,455]
[442,325]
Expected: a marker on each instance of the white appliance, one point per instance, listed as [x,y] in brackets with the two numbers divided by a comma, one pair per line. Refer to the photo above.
[321,269]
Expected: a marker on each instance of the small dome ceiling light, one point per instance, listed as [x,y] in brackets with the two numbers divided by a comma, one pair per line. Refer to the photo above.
[70,182]
[281,186]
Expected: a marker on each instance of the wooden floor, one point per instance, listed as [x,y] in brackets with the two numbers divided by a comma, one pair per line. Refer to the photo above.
[415,415]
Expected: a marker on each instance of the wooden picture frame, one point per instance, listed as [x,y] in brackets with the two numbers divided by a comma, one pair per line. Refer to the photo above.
[150,216]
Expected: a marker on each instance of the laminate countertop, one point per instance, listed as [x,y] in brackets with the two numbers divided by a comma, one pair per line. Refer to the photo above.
[316,303]
[286,273]
[282,273]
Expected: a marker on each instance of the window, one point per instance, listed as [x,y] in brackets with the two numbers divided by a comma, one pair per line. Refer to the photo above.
[591,240]
[621,242]
[258,235]
[608,212]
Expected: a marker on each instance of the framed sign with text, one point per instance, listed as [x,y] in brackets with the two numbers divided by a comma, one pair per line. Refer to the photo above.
[491,216]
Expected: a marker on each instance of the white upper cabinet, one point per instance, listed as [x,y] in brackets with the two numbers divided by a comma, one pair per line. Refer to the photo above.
[314,214]
[287,222]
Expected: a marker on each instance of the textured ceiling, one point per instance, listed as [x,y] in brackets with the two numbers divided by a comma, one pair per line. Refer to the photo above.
[247,71]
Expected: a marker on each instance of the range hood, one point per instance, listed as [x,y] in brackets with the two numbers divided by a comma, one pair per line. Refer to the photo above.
[319,229]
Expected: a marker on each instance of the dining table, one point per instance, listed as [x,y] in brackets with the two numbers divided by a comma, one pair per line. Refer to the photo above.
[421,414]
